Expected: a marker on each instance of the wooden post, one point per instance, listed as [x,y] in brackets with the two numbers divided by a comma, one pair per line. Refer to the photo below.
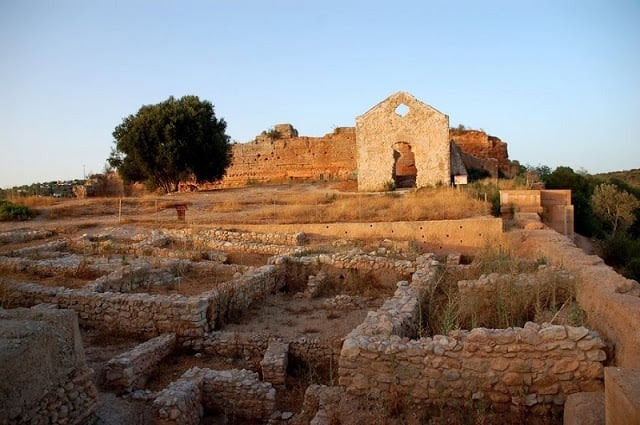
[120,211]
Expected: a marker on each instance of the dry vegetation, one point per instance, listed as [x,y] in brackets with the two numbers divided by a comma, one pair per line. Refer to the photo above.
[278,204]
[549,298]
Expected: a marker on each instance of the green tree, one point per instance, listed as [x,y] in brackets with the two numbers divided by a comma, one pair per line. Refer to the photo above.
[614,206]
[171,141]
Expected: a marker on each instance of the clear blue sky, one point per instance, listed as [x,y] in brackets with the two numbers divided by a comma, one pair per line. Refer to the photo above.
[558,80]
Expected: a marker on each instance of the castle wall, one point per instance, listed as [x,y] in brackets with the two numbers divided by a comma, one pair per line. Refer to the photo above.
[286,158]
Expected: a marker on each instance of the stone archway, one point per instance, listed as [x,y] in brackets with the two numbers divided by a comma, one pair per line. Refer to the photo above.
[404,165]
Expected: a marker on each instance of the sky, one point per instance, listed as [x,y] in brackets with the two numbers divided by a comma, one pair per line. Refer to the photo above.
[559,81]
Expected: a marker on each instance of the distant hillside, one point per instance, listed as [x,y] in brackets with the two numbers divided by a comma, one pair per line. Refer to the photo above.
[631,177]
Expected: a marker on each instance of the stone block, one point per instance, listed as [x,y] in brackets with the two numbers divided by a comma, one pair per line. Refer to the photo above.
[622,396]
[584,409]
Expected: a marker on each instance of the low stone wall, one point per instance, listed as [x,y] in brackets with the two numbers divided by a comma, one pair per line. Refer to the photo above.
[274,363]
[232,392]
[45,378]
[232,298]
[135,314]
[57,245]
[532,367]
[205,237]
[609,299]
[181,402]
[437,236]
[16,236]
[150,315]
[130,370]
[251,348]
[355,259]
[67,265]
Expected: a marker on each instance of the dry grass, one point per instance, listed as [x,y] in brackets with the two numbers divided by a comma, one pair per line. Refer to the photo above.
[35,201]
[425,204]
[502,304]
[283,204]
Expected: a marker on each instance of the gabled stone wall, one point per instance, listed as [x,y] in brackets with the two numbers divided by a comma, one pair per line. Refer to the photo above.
[422,127]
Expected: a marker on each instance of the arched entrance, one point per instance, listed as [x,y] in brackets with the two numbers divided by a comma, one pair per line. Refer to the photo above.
[404,165]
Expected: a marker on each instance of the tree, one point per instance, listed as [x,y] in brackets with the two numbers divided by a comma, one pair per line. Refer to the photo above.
[171,141]
[615,207]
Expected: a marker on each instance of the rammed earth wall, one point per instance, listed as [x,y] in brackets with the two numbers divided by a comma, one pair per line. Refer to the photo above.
[534,367]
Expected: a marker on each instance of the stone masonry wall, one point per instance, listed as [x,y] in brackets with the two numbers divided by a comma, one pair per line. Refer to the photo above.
[424,128]
[534,366]
[130,370]
[45,378]
[150,315]
[136,314]
[610,300]
[464,236]
[236,392]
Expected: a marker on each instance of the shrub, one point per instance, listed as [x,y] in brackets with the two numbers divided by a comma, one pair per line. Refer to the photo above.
[9,212]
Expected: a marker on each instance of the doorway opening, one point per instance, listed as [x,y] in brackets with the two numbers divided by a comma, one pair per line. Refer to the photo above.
[404,165]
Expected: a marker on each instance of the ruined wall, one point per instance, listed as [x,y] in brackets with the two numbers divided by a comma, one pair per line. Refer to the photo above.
[288,157]
[535,367]
[151,315]
[422,127]
[131,370]
[553,205]
[483,146]
[610,300]
[235,392]
[45,378]
[466,235]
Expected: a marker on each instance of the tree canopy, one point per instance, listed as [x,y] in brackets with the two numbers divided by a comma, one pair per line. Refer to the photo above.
[614,206]
[171,141]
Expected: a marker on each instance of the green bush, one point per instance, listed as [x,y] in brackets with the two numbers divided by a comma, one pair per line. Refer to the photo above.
[10,212]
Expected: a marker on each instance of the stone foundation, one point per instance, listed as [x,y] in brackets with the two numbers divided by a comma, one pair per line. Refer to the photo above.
[274,363]
[533,367]
[129,371]
[233,392]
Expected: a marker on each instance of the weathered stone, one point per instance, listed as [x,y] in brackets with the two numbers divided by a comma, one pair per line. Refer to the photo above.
[553,333]
[377,164]
[565,365]
[584,409]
